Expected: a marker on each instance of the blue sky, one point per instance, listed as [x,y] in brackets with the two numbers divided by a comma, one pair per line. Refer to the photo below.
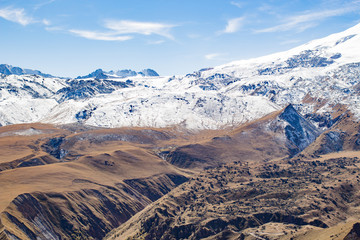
[74,37]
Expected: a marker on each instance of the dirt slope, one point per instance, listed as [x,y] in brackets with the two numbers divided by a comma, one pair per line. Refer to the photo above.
[60,182]
[280,199]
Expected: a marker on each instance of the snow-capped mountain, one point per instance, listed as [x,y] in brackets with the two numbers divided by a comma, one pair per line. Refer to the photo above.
[314,77]
[100,74]
[8,70]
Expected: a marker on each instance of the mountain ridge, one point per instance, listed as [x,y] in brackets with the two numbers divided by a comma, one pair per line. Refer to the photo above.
[101,74]
[9,69]
[211,98]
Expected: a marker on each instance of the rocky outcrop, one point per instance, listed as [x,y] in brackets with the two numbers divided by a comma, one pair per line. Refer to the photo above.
[299,132]
[53,147]
[342,136]
[354,233]
[80,89]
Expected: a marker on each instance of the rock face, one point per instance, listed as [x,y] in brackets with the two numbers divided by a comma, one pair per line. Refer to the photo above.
[342,136]
[354,234]
[299,132]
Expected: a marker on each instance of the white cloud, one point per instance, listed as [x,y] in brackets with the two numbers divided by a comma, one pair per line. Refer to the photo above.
[122,30]
[99,35]
[144,28]
[237,4]
[234,25]
[307,20]
[46,22]
[16,15]
[215,56]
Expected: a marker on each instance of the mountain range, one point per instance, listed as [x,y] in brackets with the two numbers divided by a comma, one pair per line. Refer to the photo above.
[9,70]
[265,148]
[313,77]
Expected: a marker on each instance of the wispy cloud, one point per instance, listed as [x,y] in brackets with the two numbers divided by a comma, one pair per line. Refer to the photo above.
[144,28]
[291,41]
[99,35]
[40,5]
[46,22]
[122,30]
[268,9]
[237,4]
[16,15]
[234,25]
[215,56]
[156,42]
[306,20]
[55,28]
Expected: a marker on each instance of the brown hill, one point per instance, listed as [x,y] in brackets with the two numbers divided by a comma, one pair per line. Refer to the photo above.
[74,181]
[277,135]
[282,199]
[58,183]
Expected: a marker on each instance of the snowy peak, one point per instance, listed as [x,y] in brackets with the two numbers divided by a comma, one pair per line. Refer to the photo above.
[97,74]
[335,50]
[148,73]
[9,70]
[100,74]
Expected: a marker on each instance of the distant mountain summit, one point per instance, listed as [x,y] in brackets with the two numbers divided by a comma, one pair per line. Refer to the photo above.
[101,74]
[8,70]
[149,73]
[98,74]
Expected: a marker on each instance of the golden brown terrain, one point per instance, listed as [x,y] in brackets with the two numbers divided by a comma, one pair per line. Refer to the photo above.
[275,178]
[56,183]
[313,194]
[292,199]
